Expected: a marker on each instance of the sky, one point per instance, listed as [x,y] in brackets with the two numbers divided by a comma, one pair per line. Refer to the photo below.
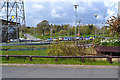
[63,11]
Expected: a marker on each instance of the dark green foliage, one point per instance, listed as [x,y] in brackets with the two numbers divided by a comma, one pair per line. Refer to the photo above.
[69,48]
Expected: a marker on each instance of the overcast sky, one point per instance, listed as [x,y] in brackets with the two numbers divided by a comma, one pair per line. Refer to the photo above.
[62,11]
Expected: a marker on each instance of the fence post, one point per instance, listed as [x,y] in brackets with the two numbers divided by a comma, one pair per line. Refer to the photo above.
[83,59]
[30,58]
[110,59]
[7,57]
[56,59]
[107,58]
[6,49]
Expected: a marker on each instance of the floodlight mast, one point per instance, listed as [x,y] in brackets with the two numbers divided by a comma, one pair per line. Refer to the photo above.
[14,12]
[75,19]
[96,23]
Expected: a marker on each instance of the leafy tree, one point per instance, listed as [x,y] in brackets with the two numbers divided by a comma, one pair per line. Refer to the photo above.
[43,26]
[62,32]
[114,23]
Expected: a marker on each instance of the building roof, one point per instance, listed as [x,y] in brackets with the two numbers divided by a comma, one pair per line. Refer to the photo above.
[5,22]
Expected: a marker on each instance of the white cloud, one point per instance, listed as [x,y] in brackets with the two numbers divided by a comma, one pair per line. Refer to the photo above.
[112,8]
[110,12]
[58,11]
[37,6]
[100,17]
[82,9]
[70,0]
[54,14]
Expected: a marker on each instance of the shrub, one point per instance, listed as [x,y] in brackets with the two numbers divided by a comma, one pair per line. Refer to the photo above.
[67,49]
[110,42]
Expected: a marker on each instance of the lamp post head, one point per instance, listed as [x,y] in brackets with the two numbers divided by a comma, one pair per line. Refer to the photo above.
[95,15]
[75,6]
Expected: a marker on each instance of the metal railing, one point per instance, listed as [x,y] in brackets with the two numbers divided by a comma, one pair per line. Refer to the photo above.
[109,58]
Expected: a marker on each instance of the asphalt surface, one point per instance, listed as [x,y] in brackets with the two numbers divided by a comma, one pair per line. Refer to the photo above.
[30,37]
[47,72]
[30,43]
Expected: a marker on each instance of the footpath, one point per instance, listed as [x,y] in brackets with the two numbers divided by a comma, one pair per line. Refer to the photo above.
[61,66]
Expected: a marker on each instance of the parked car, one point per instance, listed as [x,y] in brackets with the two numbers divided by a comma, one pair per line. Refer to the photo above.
[81,38]
[69,38]
[49,39]
[86,38]
[91,37]
[60,38]
[77,38]
[65,38]
[54,39]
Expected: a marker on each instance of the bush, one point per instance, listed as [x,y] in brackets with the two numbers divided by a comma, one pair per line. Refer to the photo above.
[97,41]
[110,42]
[67,49]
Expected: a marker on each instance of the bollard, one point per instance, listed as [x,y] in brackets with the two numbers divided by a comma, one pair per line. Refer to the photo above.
[83,59]
[56,59]
[110,59]
[30,58]
[7,57]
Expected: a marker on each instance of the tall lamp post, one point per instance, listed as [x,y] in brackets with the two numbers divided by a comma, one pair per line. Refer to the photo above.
[51,31]
[79,29]
[44,32]
[96,23]
[75,19]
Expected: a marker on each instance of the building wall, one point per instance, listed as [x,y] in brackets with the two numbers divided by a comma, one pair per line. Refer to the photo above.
[5,34]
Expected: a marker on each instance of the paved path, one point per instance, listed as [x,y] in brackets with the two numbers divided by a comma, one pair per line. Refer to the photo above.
[30,37]
[49,72]
[28,43]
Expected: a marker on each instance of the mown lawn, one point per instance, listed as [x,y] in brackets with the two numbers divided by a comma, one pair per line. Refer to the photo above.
[37,53]
[24,46]
[60,61]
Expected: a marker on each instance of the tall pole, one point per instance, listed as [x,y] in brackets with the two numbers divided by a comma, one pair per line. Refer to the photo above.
[71,31]
[103,29]
[75,20]
[16,22]
[7,17]
[51,30]
[96,23]
[104,24]
[79,30]
[36,34]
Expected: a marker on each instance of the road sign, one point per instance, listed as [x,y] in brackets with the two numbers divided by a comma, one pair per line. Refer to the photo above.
[78,34]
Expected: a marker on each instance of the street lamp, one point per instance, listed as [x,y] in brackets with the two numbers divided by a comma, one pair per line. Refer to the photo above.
[51,31]
[44,32]
[103,29]
[96,23]
[79,29]
[75,19]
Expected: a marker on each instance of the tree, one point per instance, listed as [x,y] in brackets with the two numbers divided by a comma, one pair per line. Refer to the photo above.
[62,32]
[43,26]
[114,24]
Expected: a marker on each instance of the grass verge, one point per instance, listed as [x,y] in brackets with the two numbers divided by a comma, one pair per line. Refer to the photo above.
[72,61]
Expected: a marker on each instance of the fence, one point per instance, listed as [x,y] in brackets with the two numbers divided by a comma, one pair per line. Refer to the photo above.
[109,58]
